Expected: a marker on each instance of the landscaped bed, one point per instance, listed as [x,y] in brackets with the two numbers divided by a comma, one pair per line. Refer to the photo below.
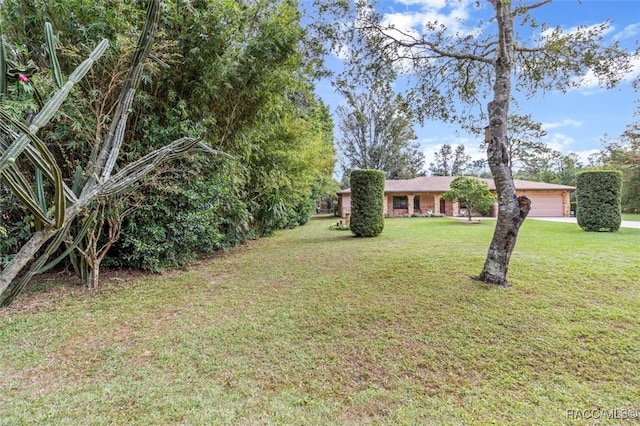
[318,327]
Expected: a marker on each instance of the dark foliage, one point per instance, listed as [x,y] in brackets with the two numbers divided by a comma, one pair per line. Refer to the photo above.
[598,200]
[177,222]
[367,197]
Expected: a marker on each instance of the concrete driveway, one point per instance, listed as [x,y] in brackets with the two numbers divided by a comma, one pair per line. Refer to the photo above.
[624,224]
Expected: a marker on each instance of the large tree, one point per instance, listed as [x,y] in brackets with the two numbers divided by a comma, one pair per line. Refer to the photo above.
[524,140]
[483,61]
[450,162]
[472,193]
[376,132]
[551,166]
[237,69]
[623,154]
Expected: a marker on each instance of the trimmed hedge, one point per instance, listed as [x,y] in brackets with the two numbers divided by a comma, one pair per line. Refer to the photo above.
[598,194]
[367,198]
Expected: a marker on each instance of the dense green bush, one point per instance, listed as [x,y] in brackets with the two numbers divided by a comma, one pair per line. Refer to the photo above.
[367,198]
[236,78]
[598,200]
[302,212]
[15,226]
[472,193]
[180,220]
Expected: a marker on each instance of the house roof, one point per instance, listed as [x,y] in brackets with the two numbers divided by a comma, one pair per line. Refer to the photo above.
[443,184]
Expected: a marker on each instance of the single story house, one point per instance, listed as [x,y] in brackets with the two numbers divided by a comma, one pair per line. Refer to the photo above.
[423,195]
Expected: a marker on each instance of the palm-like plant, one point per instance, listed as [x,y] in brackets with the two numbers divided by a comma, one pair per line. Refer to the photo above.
[21,151]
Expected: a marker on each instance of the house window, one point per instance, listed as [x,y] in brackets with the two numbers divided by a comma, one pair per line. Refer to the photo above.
[400,202]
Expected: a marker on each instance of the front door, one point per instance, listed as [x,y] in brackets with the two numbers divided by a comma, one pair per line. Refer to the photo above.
[443,205]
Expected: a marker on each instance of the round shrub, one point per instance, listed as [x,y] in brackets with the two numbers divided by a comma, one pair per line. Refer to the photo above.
[598,200]
[367,198]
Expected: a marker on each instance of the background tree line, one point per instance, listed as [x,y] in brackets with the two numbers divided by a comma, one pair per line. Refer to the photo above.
[623,154]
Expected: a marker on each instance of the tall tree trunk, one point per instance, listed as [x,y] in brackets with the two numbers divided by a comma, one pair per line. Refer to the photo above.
[512,209]
[93,280]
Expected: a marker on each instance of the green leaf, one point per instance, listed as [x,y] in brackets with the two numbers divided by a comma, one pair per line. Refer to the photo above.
[53,58]
[52,106]
[77,240]
[47,157]
[3,66]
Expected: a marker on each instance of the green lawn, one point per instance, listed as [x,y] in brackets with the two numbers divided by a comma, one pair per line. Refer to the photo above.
[631,216]
[315,327]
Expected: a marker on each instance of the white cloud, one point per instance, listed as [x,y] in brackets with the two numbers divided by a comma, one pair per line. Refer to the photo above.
[431,146]
[559,141]
[449,14]
[436,4]
[584,155]
[629,32]
[589,83]
[563,143]
[564,123]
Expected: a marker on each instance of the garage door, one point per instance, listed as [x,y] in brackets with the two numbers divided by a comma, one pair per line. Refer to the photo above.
[545,205]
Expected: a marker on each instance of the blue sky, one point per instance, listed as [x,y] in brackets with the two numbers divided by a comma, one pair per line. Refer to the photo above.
[575,121]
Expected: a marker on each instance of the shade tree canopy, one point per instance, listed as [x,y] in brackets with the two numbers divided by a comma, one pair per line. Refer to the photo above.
[450,162]
[376,132]
[468,75]
[472,193]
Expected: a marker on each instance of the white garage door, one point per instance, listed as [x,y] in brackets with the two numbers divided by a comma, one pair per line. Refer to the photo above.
[545,205]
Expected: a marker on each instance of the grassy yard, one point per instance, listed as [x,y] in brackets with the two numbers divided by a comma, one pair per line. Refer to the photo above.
[635,217]
[315,327]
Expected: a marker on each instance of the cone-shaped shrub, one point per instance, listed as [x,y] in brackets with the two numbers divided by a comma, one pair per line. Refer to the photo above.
[367,198]
[598,200]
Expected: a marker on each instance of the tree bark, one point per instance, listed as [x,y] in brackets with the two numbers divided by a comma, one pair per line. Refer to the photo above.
[512,209]
[94,278]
